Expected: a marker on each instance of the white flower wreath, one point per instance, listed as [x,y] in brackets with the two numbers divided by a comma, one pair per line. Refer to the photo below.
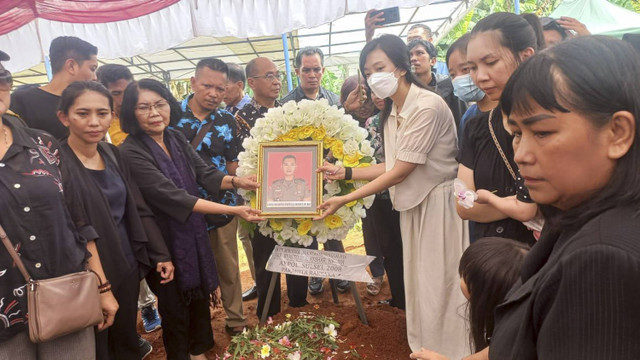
[339,133]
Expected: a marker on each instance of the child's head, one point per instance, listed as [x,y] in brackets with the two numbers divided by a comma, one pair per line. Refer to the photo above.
[488,269]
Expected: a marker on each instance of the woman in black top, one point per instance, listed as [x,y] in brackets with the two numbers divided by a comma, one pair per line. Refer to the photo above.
[111,202]
[48,228]
[574,111]
[168,171]
[498,44]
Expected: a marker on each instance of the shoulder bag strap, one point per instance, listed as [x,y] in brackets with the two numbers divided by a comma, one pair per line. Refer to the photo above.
[14,254]
[504,157]
[201,134]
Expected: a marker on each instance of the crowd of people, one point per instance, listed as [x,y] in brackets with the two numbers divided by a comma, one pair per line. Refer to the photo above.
[536,117]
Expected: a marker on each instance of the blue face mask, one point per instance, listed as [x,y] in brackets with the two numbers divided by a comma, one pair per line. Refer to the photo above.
[465,89]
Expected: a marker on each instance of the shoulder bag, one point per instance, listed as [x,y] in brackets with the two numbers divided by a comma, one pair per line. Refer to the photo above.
[58,306]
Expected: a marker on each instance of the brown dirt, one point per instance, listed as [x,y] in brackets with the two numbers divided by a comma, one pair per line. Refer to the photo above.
[384,338]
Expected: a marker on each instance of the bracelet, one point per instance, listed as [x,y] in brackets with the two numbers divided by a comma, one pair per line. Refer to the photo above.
[347,173]
[105,290]
[233,182]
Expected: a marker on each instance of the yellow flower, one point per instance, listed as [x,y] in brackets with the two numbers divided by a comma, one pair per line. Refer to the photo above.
[352,160]
[304,227]
[265,351]
[364,164]
[305,132]
[351,203]
[319,133]
[337,150]
[328,142]
[253,202]
[333,221]
[276,224]
[287,137]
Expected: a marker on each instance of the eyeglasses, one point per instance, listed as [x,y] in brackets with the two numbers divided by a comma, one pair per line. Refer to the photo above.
[5,77]
[270,76]
[159,106]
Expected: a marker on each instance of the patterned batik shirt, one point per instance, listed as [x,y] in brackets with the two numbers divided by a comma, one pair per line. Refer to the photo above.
[218,147]
[247,116]
[373,127]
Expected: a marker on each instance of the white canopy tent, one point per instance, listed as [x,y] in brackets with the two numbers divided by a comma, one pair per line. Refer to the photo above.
[167,43]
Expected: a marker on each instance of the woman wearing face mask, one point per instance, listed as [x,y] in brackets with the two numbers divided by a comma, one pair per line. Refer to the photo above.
[574,112]
[498,44]
[420,144]
[463,86]
[424,55]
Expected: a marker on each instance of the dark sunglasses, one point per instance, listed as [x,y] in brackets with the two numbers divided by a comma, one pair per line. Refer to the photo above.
[5,77]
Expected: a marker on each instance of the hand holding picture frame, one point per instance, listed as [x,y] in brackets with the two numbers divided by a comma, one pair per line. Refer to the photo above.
[290,187]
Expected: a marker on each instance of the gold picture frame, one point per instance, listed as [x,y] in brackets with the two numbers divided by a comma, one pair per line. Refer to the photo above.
[290,186]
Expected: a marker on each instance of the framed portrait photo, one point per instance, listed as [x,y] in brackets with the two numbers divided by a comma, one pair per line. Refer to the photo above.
[290,187]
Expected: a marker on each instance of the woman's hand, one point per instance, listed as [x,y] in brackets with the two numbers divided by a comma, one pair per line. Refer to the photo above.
[425,354]
[247,213]
[109,307]
[165,269]
[570,23]
[484,196]
[332,172]
[248,182]
[355,99]
[371,23]
[330,206]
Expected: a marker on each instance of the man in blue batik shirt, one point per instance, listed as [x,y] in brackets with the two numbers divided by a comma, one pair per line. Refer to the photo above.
[218,147]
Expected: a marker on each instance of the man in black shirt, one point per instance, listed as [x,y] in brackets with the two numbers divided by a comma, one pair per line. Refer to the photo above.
[72,59]
[309,68]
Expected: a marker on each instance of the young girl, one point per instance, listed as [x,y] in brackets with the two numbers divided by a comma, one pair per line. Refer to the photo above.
[498,44]
[420,144]
[488,269]
[115,209]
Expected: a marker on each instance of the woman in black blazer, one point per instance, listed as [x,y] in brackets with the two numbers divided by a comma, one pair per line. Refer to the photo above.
[130,243]
[574,112]
[168,172]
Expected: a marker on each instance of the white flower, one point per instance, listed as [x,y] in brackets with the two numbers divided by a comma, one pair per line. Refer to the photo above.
[294,356]
[358,211]
[332,188]
[465,196]
[350,147]
[286,233]
[306,240]
[331,330]
[368,201]
[366,148]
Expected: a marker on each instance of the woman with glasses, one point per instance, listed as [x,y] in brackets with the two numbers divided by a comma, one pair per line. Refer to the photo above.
[130,243]
[48,227]
[168,171]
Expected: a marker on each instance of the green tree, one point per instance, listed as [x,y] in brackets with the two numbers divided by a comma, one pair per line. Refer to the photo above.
[486,7]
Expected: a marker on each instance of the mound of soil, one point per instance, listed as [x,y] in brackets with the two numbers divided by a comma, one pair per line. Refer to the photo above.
[384,338]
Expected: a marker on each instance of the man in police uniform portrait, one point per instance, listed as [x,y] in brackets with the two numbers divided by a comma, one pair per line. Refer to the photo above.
[289,188]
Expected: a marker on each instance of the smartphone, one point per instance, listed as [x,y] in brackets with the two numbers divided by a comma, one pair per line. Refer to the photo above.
[391,15]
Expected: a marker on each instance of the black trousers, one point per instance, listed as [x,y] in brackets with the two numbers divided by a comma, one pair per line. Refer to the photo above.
[296,285]
[120,340]
[186,329]
[384,223]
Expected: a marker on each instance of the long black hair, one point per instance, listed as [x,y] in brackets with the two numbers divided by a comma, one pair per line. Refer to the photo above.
[397,51]
[594,76]
[128,120]
[77,88]
[489,267]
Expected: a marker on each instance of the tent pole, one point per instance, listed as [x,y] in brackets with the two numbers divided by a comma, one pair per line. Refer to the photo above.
[516,4]
[287,64]
[47,66]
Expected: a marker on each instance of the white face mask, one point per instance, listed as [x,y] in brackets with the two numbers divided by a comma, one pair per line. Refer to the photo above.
[383,84]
